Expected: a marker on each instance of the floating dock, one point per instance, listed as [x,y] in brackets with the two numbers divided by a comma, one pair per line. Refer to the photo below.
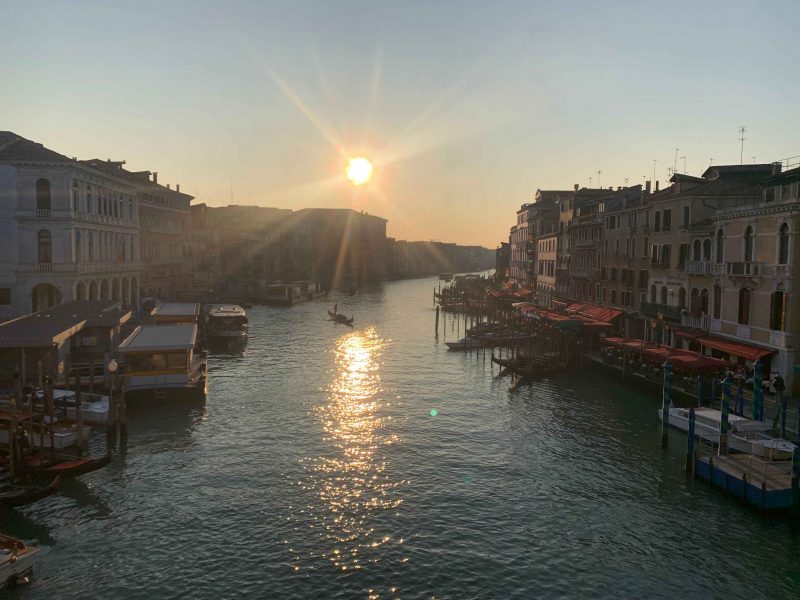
[766,485]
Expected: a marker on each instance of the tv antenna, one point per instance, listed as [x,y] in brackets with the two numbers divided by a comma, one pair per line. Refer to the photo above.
[754,159]
[655,160]
[675,162]
[684,164]
[742,131]
[590,182]
[598,178]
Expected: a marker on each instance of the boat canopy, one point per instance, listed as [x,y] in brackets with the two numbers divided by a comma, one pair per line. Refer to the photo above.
[160,338]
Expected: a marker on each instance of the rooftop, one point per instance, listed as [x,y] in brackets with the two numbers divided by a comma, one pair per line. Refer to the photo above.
[160,338]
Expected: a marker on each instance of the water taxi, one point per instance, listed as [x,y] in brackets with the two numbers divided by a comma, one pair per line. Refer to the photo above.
[226,322]
[16,561]
[163,361]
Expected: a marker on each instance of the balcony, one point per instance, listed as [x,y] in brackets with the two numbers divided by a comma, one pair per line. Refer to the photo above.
[698,267]
[662,311]
[700,322]
[742,269]
[778,271]
[42,213]
[781,338]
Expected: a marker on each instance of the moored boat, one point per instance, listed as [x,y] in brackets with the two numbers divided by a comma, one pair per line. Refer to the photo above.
[464,344]
[162,362]
[64,466]
[16,561]
[226,322]
[18,494]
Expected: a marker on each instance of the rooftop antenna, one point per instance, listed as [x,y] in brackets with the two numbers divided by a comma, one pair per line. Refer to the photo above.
[754,159]
[655,160]
[590,182]
[598,178]
[626,181]
[742,131]
[710,161]
[675,162]
[684,164]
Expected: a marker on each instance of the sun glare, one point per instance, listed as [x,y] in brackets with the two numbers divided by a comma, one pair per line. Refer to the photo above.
[359,170]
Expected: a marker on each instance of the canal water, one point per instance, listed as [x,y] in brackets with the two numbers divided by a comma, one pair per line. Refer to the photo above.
[370,462]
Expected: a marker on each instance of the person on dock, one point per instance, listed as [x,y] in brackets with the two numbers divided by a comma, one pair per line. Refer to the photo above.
[779,384]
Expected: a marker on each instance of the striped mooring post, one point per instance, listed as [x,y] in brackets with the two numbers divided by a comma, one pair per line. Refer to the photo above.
[723,427]
[690,443]
[665,404]
[713,392]
[758,392]
[699,391]
[740,399]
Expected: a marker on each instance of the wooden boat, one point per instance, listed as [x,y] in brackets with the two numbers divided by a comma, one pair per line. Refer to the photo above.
[340,318]
[529,369]
[37,429]
[16,561]
[14,494]
[464,344]
[64,466]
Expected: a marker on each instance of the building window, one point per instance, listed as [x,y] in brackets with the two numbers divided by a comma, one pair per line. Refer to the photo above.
[744,306]
[5,296]
[704,301]
[707,249]
[686,216]
[653,294]
[663,294]
[683,255]
[613,296]
[682,297]
[633,247]
[667,220]
[696,250]
[783,245]
[748,244]
[75,195]
[645,247]
[42,194]
[777,321]
[45,247]
[769,195]
[77,245]
[666,255]
[657,225]
[717,301]
[720,247]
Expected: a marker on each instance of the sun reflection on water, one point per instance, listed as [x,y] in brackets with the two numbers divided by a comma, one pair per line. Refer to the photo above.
[350,480]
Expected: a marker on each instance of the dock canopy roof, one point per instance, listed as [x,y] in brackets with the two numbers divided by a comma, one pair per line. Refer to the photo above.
[176,309]
[736,348]
[55,325]
[594,312]
[160,338]
[681,359]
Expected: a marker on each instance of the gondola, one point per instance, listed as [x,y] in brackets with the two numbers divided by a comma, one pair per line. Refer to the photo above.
[12,495]
[340,318]
[68,466]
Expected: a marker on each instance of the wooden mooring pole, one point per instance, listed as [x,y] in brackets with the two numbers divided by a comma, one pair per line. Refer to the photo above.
[665,404]
[437,321]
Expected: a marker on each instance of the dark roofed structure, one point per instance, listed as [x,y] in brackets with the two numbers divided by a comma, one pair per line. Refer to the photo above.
[15,148]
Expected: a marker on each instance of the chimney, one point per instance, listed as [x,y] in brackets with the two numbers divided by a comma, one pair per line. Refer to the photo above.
[177,187]
[576,187]
[656,185]
[155,176]
[776,168]
[167,186]
[647,187]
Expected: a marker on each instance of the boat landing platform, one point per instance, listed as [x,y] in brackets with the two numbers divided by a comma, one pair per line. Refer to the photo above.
[763,484]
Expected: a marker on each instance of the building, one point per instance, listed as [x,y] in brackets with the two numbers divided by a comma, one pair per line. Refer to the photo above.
[502,259]
[164,230]
[68,230]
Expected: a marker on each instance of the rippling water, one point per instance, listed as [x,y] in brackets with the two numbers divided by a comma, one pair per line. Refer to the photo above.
[332,462]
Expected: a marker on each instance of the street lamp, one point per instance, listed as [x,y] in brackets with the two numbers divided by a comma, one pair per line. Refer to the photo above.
[112,366]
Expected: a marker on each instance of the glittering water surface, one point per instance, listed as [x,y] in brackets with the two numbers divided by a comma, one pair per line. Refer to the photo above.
[331,462]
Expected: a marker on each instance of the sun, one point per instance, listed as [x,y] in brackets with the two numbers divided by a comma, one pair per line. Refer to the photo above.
[359,170]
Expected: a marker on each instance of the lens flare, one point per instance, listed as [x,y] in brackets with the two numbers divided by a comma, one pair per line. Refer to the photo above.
[359,170]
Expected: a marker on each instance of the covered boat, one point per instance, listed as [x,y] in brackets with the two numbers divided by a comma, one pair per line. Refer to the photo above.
[226,322]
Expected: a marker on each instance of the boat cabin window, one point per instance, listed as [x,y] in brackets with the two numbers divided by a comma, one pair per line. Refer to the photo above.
[162,361]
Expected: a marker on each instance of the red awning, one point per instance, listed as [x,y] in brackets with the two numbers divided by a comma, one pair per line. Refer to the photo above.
[688,335]
[736,348]
[594,312]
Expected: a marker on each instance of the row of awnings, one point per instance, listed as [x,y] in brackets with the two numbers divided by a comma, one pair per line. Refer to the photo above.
[687,359]
[557,319]
[747,351]
[594,312]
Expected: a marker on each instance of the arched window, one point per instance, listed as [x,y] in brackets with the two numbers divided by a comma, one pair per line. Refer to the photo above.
[89,205]
[704,301]
[707,249]
[645,247]
[42,194]
[682,297]
[653,294]
[748,244]
[45,247]
[720,247]
[78,256]
[697,250]
[783,245]
[91,248]
[777,319]
[744,306]
[633,247]
[664,295]
[75,195]
[717,301]
[695,302]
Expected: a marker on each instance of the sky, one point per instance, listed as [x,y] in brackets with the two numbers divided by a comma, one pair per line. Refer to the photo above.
[465,108]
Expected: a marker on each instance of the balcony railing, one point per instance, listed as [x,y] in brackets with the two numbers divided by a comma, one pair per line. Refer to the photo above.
[694,322]
[742,269]
[698,267]
[780,271]
[42,213]
[665,311]
[44,267]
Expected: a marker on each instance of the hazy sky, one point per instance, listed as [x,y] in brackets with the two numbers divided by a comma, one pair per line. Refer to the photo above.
[466,107]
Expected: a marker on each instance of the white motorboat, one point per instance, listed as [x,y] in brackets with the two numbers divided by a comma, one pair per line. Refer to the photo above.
[745,435]
[94,407]
[226,322]
[16,561]
[465,344]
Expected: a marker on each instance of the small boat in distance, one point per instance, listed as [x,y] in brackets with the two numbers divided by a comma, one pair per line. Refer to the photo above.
[464,344]
[226,322]
[340,318]
[16,561]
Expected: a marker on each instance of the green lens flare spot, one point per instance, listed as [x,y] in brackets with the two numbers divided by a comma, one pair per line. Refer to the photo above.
[434,412]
